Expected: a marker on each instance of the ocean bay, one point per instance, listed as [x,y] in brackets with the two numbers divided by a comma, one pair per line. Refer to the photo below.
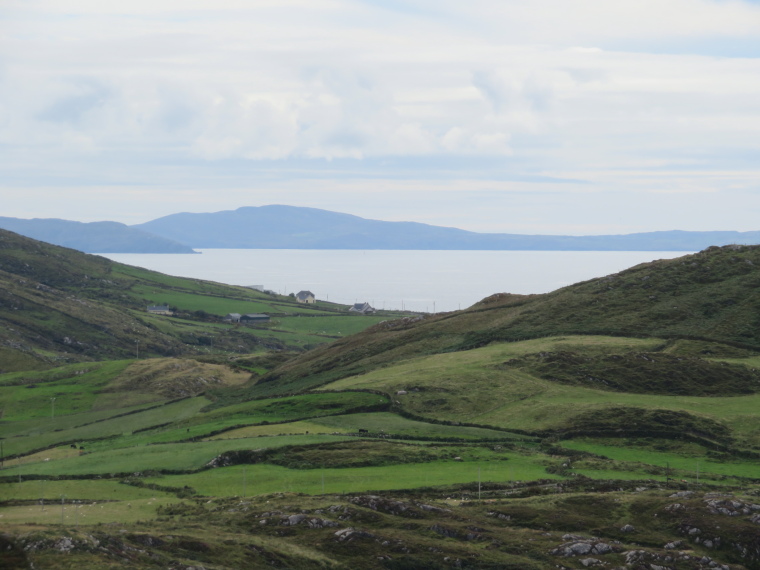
[429,281]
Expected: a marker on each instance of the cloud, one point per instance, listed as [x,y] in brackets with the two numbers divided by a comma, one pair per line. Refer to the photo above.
[277,94]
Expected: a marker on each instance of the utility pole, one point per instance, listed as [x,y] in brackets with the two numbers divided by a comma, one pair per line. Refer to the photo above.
[63,497]
[478,482]
[137,350]
[52,408]
[244,482]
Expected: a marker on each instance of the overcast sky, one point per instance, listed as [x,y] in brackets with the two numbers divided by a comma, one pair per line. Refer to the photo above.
[521,116]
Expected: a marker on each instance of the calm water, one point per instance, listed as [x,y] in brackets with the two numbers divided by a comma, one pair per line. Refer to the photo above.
[414,280]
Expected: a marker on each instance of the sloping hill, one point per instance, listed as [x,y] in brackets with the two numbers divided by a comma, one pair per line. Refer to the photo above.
[710,295]
[290,227]
[57,304]
[667,349]
[93,237]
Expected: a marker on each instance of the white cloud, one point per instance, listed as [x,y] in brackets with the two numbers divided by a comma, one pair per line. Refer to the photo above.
[108,93]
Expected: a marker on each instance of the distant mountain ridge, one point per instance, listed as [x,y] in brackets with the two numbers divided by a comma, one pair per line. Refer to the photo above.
[290,227]
[93,237]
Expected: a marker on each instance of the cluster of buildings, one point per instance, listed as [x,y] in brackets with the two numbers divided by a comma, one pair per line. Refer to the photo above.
[308,297]
[305,297]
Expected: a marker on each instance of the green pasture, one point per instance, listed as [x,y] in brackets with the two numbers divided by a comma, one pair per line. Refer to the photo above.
[175,325]
[201,302]
[289,428]
[272,411]
[291,339]
[73,392]
[392,424]
[630,453]
[168,456]
[387,423]
[140,274]
[106,428]
[513,399]
[185,421]
[75,490]
[147,278]
[263,479]
[47,375]
[220,303]
[342,325]
[299,407]
[38,426]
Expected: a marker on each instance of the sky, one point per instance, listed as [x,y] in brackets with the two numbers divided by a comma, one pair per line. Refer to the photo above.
[518,116]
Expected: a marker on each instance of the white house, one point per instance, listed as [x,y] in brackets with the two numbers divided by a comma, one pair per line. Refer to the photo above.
[306,297]
[362,309]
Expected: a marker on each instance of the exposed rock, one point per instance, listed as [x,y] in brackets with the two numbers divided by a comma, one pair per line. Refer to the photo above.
[384,505]
[349,534]
[628,528]
[442,530]
[433,509]
[730,507]
[582,547]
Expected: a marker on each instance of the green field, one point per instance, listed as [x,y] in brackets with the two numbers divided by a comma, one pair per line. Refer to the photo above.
[620,412]
[698,463]
[513,399]
[264,479]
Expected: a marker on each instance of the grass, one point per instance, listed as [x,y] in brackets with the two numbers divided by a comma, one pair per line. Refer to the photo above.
[290,428]
[190,302]
[700,461]
[342,325]
[73,387]
[90,490]
[169,456]
[513,399]
[707,297]
[89,513]
[394,425]
[263,479]
[105,428]
[386,423]
[487,366]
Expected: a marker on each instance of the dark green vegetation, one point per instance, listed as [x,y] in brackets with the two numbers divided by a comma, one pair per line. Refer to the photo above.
[614,423]
[642,372]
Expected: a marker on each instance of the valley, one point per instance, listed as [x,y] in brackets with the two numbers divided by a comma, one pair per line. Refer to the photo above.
[612,423]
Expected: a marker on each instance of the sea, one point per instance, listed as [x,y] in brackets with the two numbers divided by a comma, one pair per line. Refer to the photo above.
[424,281]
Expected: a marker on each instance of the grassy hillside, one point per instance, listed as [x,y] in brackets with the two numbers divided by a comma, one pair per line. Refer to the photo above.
[59,305]
[711,295]
[576,429]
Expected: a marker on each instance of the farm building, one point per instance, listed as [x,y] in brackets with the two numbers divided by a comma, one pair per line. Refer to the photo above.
[306,297]
[362,309]
[232,318]
[160,310]
[254,318]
